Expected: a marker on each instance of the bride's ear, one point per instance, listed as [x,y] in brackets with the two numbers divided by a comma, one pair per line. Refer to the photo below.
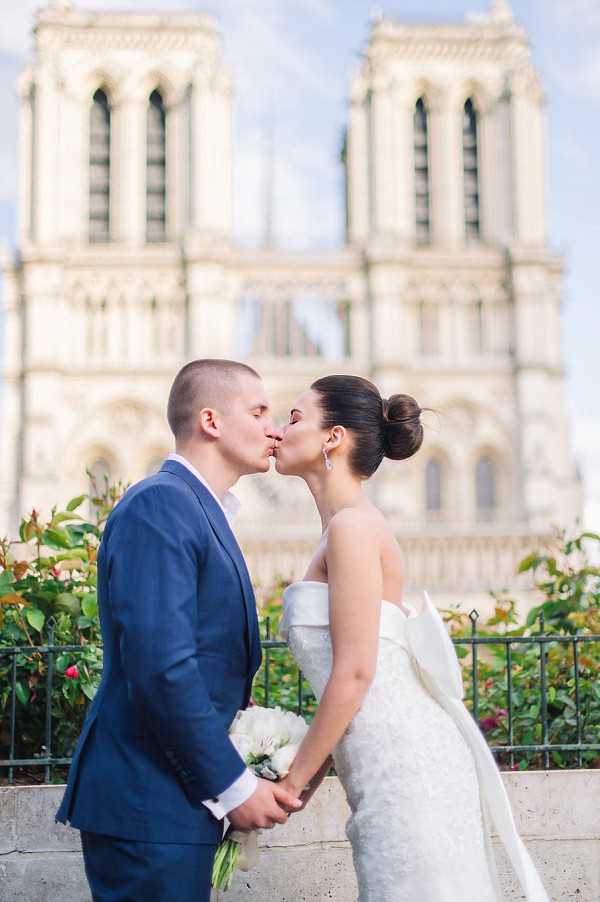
[336,437]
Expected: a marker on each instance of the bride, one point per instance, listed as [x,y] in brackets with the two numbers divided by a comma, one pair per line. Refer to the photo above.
[421,784]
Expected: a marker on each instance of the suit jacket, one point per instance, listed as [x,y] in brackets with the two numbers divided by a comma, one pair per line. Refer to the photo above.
[181,648]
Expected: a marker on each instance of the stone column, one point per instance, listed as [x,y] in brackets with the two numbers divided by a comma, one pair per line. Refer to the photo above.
[10,403]
[487,143]
[384,172]
[46,155]
[73,165]
[128,170]
[547,472]
[357,167]
[27,174]
[446,173]
[404,169]
[528,157]
[211,165]
[178,162]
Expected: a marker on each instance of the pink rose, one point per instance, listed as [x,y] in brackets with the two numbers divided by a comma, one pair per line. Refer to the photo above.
[71,672]
[488,723]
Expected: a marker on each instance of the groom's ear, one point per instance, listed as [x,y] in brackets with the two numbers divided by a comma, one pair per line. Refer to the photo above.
[208,422]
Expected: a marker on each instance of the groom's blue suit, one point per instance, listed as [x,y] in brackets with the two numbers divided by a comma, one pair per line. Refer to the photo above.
[181,648]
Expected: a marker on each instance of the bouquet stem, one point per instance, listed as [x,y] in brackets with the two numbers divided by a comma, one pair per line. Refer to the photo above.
[225,864]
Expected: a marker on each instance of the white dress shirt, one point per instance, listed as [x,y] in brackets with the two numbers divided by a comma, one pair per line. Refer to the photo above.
[242,788]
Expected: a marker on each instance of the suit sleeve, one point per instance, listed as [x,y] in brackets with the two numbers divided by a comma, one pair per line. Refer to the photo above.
[154,556]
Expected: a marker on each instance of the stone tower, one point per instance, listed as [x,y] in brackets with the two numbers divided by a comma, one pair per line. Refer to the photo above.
[446,287]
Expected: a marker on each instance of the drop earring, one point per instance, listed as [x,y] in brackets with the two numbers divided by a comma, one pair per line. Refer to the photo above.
[328,464]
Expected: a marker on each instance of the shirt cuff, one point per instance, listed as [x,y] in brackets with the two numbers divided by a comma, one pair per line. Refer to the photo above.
[236,794]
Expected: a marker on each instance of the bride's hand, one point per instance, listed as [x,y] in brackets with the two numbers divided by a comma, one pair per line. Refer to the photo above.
[287,783]
[305,793]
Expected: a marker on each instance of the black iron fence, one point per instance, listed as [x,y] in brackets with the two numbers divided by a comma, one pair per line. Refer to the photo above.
[280,682]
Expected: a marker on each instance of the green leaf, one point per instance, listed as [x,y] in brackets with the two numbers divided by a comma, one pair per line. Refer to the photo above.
[67,602]
[6,581]
[26,531]
[22,692]
[590,535]
[74,503]
[530,562]
[84,622]
[62,662]
[81,553]
[89,605]
[62,518]
[89,690]
[56,538]
[35,618]
[533,615]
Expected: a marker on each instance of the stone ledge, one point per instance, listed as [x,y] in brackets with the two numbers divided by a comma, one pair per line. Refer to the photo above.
[309,859]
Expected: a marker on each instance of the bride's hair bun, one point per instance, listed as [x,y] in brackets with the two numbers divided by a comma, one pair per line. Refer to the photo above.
[402,426]
[380,427]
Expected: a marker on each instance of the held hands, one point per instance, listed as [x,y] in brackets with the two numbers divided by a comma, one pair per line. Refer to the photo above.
[306,794]
[269,804]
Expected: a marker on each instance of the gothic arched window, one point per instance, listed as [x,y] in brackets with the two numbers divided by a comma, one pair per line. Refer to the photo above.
[99,213]
[421,163]
[471,172]
[156,169]
[485,485]
[433,485]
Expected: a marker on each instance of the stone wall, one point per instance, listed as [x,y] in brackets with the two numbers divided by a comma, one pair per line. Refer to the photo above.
[309,859]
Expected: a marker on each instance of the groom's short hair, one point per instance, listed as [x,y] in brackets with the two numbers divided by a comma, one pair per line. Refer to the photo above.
[202,383]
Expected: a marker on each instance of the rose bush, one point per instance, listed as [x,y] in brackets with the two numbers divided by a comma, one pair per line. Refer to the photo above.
[48,597]
[568,586]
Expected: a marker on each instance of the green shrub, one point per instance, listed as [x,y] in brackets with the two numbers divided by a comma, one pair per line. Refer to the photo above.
[48,596]
[569,589]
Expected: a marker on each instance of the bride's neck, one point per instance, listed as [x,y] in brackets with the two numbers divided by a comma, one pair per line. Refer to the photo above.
[333,491]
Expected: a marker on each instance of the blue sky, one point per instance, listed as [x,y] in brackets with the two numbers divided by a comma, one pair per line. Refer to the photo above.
[291,62]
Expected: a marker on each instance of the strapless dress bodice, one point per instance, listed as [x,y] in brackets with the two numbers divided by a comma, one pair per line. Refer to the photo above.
[306,603]
[421,634]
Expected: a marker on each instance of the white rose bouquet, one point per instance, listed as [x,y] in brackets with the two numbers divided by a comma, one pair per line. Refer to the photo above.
[267,739]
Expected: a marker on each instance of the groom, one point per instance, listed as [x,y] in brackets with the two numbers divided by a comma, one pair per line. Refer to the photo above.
[154,772]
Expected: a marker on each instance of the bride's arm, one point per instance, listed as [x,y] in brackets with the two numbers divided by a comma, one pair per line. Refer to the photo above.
[354,574]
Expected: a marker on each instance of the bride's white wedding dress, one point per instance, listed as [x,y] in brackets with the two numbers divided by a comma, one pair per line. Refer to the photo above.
[420,780]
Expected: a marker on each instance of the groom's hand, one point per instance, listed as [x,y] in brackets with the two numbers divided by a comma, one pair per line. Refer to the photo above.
[268,805]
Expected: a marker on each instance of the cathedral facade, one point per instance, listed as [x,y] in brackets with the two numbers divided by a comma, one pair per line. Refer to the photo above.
[446,287]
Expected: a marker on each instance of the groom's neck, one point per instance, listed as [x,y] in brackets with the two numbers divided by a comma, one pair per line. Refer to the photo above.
[211,467]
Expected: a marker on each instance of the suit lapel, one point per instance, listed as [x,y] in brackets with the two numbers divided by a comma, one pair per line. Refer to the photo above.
[224,534]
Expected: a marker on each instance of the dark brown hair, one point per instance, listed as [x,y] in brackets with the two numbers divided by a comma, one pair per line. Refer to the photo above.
[202,383]
[382,427]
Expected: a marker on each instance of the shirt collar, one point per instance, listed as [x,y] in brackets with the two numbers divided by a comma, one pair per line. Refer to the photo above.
[230,505]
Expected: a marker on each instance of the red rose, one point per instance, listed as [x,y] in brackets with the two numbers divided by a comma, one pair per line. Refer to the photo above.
[71,672]
[488,723]
[55,571]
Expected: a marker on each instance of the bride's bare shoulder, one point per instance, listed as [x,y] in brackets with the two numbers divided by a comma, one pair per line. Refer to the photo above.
[355,521]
